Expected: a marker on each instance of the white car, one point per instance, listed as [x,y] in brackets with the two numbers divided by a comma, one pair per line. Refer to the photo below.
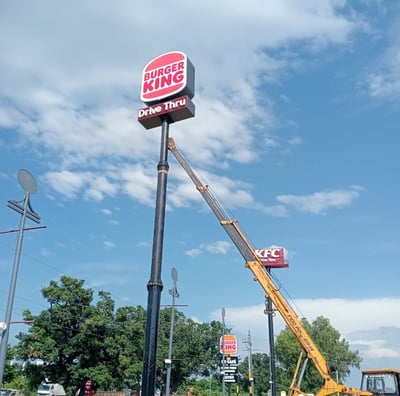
[49,389]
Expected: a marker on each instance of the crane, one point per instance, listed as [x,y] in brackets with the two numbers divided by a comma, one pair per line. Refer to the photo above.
[254,264]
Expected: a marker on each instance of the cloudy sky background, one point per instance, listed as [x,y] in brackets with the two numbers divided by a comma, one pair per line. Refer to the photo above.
[296,131]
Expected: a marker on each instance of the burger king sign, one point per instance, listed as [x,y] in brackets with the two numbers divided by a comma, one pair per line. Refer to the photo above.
[167,89]
[168,76]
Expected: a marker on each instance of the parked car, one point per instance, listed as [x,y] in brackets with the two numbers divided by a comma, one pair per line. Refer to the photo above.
[49,389]
[12,392]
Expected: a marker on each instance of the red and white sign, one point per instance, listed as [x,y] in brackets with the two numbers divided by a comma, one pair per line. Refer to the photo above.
[272,257]
[228,344]
[177,109]
[167,76]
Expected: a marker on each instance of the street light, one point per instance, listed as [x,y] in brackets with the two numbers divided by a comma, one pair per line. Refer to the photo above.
[174,293]
[24,208]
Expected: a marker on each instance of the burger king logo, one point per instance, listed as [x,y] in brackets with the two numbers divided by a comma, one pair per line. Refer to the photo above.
[167,76]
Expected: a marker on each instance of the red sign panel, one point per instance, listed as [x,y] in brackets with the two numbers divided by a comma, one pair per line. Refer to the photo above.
[272,257]
[177,109]
[228,344]
[167,76]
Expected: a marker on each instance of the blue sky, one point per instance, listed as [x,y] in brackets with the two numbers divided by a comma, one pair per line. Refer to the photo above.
[296,131]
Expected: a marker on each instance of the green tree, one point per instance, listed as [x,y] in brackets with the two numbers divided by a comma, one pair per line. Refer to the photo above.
[125,345]
[195,351]
[260,372]
[12,372]
[328,340]
[68,338]
[76,338]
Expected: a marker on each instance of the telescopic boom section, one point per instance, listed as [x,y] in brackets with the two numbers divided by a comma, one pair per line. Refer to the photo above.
[255,265]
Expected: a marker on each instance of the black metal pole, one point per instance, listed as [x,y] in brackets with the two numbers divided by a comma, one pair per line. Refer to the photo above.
[155,286]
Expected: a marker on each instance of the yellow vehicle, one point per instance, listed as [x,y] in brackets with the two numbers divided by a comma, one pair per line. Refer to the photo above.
[381,381]
[253,262]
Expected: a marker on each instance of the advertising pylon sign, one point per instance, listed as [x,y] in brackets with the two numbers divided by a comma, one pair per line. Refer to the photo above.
[228,344]
[167,88]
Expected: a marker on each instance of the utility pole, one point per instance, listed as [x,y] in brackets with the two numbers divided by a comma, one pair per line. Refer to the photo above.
[174,293]
[247,343]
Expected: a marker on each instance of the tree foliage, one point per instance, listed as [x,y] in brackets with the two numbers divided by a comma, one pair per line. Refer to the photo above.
[79,337]
[333,348]
[11,371]
[260,373]
[195,348]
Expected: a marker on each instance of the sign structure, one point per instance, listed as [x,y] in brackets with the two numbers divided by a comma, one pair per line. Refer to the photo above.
[272,257]
[229,368]
[228,344]
[167,89]
[168,75]
[177,109]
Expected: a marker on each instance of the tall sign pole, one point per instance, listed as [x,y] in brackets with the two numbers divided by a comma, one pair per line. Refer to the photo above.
[155,286]
[167,88]
[273,257]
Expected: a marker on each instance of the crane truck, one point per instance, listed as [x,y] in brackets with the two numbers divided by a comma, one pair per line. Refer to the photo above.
[373,382]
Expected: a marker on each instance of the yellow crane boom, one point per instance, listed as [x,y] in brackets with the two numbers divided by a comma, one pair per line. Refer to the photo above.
[253,262]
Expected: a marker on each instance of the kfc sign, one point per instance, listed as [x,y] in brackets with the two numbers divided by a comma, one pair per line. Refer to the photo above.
[272,257]
[168,76]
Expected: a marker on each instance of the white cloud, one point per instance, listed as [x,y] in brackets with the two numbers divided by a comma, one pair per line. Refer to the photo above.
[377,349]
[65,182]
[219,247]
[382,77]
[139,183]
[319,202]
[193,252]
[108,244]
[98,186]
[72,94]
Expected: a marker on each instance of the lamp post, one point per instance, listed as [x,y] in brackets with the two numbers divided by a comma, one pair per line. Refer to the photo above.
[174,293]
[28,183]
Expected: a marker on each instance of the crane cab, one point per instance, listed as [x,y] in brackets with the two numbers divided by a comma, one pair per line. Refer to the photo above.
[381,382]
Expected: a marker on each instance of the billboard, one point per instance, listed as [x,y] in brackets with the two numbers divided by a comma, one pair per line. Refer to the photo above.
[167,89]
[228,344]
[272,257]
[168,76]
